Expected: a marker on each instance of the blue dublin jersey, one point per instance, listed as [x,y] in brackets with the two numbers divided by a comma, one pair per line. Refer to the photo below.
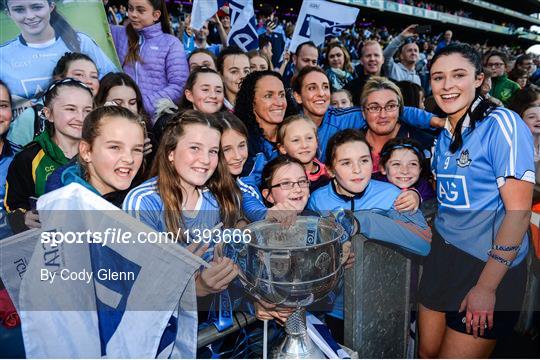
[145,204]
[471,209]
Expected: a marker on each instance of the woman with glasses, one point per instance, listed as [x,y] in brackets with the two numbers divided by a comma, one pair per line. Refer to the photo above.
[311,88]
[502,87]
[382,104]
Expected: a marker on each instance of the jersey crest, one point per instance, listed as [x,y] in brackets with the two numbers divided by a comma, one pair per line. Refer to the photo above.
[464,160]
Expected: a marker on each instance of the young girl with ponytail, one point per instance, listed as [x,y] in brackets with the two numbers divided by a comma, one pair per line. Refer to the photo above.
[150,53]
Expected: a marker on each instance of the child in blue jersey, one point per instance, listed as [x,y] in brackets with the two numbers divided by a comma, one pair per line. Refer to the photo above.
[110,154]
[27,62]
[191,189]
[402,163]
[71,65]
[474,279]
[6,154]
[349,163]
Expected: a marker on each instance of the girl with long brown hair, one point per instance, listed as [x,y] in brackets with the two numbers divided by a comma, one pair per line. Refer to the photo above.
[191,191]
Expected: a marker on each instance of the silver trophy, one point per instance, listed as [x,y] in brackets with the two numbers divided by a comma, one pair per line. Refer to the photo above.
[292,267]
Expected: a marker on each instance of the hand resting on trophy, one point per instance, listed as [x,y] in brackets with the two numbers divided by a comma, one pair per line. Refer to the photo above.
[217,277]
[267,311]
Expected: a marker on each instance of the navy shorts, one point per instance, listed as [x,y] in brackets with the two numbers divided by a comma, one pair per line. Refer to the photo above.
[448,275]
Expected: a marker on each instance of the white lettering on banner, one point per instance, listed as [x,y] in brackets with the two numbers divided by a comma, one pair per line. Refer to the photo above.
[243,25]
[335,17]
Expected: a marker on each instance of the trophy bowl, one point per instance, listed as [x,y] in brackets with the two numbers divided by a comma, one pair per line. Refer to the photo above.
[292,267]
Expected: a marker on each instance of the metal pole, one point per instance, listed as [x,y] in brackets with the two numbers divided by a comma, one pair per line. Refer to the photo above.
[210,334]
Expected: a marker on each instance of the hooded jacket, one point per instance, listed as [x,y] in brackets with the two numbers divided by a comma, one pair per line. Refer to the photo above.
[27,175]
[162,70]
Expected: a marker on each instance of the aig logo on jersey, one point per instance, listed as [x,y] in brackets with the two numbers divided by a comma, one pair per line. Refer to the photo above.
[452,191]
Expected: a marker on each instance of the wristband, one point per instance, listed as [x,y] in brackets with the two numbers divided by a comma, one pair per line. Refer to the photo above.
[506,248]
[500,259]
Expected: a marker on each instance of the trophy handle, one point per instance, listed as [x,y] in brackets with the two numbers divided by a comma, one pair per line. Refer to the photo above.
[345,251]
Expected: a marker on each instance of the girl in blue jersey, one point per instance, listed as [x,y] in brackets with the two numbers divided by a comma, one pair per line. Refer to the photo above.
[474,278]
[191,189]
[27,62]
[6,154]
[110,154]
[349,163]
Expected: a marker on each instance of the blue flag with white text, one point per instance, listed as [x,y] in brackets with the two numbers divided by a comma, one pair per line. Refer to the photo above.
[243,25]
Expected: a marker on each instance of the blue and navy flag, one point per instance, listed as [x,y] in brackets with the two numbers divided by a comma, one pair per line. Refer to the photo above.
[243,25]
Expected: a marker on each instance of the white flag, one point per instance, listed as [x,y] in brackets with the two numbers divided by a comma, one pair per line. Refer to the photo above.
[15,255]
[202,10]
[84,310]
[334,17]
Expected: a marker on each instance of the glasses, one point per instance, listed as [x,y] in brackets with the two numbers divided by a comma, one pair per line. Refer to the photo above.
[498,65]
[288,185]
[375,109]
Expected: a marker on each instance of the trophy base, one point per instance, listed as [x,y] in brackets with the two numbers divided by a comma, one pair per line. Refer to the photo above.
[297,347]
[297,343]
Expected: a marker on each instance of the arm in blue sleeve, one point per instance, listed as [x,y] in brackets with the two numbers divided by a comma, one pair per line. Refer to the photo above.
[416,117]
[252,203]
[407,230]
